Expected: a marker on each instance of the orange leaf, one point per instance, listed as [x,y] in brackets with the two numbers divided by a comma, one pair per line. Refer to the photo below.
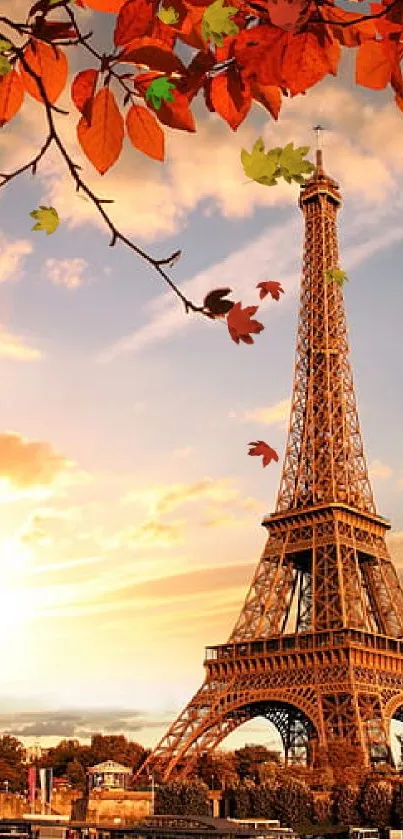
[308,57]
[11,96]
[48,62]
[262,449]
[373,67]
[83,91]
[267,95]
[240,325]
[229,97]
[144,132]
[133,21]
[354,34]
[259,53]
[148,52]
[270,287]
[286,13]
[102,139]
[105,5]
[176,114]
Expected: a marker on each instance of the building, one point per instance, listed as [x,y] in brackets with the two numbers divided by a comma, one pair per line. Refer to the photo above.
[109,775]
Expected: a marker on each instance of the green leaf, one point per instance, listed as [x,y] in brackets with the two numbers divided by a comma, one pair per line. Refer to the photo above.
[168,16]
[160,90]
[46,218]
[5,45]
[291,160]
[5,66]
[336,275]
[266,167]
[217,23]
[258,165]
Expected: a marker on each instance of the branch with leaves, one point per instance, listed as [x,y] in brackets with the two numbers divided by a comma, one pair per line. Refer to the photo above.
[242,53]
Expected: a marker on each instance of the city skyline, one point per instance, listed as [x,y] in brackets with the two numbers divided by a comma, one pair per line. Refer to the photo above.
[131,510]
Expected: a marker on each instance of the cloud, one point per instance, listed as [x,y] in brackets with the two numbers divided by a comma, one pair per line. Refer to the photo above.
[165,498]
[279,245]
[276,415]
[12,258]
[66,272]
[25,464]
[14,348]
[154,532]
[395,545]
[81,723]
[377,469]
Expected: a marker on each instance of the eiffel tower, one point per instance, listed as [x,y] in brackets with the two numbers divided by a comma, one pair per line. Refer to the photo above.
[318,647]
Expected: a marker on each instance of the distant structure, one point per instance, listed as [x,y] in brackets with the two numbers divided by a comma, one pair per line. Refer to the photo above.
[317,648]
[32,753]
[109,775]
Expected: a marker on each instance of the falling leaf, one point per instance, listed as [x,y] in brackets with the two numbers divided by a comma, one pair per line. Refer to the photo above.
[217,22]
[258,166]
[5,45]
[46,219]
[214,303]
[11,96]
[144,132]
[168,16]
[262,449]
[270,287]
[102,139]
[240,323]
[336,275]
[160,90]
[291,164]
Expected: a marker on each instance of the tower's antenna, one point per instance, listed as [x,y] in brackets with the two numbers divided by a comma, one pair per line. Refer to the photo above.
[318,129]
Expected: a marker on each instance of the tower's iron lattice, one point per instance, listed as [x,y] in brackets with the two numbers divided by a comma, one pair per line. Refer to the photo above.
[318,646]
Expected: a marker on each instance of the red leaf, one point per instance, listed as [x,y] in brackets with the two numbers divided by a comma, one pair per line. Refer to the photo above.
[259,53]
[286,13]
[354,34]
[11,96]
[176,114]
[240,325]
[148,52]
[144,132]
[267,95]
[373,66]
[83,91]
[262,449]
[229,97]
[196,73]
[48,62]
[134,21]
[309,57]
[102,139]
[104,5]
[270,287]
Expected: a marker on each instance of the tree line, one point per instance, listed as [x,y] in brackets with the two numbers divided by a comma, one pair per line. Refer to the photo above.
[253,780]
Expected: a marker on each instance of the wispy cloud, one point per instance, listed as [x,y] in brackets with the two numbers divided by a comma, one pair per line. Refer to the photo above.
[15,348]
[377,469]
[276,415]
[68,273]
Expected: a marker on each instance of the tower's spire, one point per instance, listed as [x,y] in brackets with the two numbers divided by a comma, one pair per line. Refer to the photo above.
[318,129]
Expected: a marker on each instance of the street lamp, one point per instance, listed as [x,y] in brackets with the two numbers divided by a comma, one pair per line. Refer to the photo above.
[152,808]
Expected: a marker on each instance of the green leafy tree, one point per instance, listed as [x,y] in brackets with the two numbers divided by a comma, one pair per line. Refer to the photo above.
[293,802]
[345,805]
[375,802]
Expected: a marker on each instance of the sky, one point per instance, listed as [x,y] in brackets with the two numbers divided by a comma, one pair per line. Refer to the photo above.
[130,520]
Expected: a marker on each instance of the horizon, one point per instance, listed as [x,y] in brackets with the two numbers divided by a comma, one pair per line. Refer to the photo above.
[132,512]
